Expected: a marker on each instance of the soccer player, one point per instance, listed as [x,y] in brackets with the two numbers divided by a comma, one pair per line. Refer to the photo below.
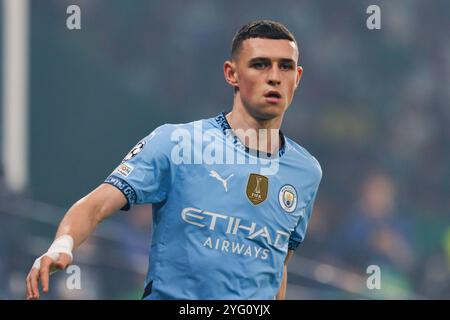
[231,195]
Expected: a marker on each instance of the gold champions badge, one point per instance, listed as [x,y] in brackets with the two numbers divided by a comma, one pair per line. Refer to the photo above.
[257,188]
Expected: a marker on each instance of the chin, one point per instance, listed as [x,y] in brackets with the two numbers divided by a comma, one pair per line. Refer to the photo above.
[268,111]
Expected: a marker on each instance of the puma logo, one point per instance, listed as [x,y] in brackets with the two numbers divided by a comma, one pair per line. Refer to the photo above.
[214,174]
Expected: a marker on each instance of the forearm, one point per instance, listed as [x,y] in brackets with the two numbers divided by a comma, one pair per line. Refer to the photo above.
[282,291]
[84,216]
[79,222]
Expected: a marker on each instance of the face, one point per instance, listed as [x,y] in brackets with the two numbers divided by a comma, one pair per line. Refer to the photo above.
[266,74]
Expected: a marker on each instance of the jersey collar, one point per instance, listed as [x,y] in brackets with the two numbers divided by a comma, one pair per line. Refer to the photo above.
[227,131]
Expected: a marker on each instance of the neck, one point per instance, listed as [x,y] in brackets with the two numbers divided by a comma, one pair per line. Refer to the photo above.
[256,134]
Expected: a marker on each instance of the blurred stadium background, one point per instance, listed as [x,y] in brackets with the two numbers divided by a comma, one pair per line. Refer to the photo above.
[373,107]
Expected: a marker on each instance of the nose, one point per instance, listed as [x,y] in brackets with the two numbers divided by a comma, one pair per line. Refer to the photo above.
[274,77]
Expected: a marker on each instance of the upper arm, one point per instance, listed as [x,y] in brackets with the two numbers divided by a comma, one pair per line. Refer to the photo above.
[105,200]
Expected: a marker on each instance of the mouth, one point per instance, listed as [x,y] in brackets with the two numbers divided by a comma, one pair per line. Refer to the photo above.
[272,96]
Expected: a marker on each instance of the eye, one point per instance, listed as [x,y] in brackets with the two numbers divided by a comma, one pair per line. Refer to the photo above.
[286,66]
[260,65]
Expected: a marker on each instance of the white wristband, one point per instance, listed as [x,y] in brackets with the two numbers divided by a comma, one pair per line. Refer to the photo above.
[63,244]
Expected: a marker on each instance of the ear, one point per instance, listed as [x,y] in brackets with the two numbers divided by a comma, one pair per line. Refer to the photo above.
[229,71]
[299,76]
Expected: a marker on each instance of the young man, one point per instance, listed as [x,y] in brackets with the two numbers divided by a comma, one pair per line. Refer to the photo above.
[231,195]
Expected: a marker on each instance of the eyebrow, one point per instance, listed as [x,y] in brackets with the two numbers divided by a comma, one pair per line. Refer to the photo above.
[265,59]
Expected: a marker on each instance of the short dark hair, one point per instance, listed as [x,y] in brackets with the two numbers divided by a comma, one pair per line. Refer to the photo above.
[266,29]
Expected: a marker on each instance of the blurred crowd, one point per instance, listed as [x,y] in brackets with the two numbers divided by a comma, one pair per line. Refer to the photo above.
[373,107]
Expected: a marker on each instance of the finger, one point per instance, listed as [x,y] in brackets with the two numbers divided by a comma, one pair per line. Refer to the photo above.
[46,262]
[28,286]
[34,277]
[63,261]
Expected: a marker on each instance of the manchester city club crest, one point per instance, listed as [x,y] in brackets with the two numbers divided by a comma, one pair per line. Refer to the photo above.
[288,198]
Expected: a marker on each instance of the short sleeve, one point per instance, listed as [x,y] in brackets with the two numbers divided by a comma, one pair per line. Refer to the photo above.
[298,235]
[144,175]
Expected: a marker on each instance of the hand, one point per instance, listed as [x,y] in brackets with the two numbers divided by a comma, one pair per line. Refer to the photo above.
[42,269]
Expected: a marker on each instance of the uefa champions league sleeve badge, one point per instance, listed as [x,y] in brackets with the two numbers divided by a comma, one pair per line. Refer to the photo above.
[137,148]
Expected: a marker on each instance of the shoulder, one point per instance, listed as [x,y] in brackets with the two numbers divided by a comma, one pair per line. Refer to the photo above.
[169,129]
[168,135]
[164,133]
[305,158]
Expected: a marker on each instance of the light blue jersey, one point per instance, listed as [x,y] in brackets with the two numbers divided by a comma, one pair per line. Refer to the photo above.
[221,228]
